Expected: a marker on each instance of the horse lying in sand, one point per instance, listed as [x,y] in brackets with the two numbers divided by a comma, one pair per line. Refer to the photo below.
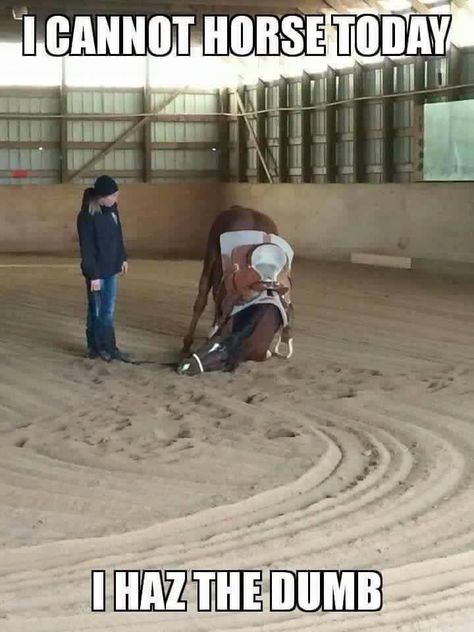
[248,267]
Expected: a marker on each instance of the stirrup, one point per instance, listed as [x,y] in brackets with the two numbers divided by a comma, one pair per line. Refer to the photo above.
[277,353]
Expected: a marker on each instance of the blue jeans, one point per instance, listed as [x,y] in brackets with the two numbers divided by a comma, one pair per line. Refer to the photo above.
[100,315]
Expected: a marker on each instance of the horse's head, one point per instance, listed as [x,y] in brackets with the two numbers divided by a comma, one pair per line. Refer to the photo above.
[213,356]
[253,331]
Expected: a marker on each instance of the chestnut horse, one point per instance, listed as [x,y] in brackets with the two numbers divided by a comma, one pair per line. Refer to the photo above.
[254,328]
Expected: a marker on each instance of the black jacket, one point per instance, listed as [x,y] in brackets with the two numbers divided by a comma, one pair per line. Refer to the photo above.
[101,242]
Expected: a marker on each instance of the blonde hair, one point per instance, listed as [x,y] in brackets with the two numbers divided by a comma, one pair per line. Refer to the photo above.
[94,207]
[90,202]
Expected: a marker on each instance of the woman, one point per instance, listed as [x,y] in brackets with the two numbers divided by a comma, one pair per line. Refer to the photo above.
[103,257]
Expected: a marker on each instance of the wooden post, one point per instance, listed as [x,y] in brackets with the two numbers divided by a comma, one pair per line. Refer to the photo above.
[224,101]
[358,129]
[454,71]
[242,160]
[306,136]
[418,126]
[283,130]
[331,167]
[63,147]
[147,129]
[387,122]
[260,127]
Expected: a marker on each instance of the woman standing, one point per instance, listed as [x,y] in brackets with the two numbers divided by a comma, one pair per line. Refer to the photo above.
[103,257]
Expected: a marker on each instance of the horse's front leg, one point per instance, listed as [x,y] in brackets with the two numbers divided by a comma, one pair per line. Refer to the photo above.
[199,307]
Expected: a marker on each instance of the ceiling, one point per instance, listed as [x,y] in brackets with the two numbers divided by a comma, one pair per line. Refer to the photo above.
[10,29]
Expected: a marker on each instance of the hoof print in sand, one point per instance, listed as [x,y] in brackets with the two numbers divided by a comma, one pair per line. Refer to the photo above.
[281,433]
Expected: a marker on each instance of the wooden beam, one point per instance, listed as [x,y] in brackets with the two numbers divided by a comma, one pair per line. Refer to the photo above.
[173,118]
[419,7]
[193,145]
[260,5]
[242,157]
[87,146]
[337,5]
[418,122]
[100,145]
[30,173]
[63,151]
[387,122]
[199,174]
[358,131]
[331,167]
[464,4]
[454,69]
[262,176]
[125,135]
[219,6]
[283,130]
[147,128]
[224,137]
[306,136]
[30,144]
[377,6]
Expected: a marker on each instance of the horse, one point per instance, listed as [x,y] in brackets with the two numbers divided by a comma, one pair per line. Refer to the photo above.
[249,333]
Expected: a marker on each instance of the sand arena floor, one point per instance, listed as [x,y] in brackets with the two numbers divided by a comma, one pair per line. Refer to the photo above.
[358,453]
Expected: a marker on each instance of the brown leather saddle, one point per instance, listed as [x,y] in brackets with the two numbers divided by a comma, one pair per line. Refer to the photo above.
[250,269]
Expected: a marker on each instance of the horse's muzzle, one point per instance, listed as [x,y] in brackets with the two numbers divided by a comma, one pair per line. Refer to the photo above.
[190,366]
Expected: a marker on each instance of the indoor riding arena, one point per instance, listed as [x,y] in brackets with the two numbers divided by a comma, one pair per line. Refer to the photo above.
[324,486]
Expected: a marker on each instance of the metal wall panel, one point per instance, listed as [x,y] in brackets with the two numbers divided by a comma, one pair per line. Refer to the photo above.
[41,136]
[101,101]
[104,101]
[467,74]
[29,159]
[87,138]
[374,118]
[35,144]
[190,160]
[205,102]
[184,160]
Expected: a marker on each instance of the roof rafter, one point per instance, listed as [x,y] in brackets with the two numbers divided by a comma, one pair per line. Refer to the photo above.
[377,6]
[419,7]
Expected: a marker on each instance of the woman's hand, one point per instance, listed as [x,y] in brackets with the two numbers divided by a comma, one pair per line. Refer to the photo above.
[125,267]
[95,285]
